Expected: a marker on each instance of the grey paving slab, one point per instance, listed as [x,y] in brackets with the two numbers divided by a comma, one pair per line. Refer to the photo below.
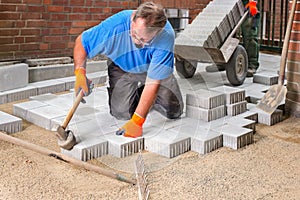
[251,115]
[49,86]
[48,61]
[205,99]
[20,93]
[13,76]
[269,119]
[3,98]
[98,77]
[236,108]
[236,137]
[21,109]
[167,143]
[88,149]
[242,122]
[232,94]
[69,82]
[10,123]
[205,114]
[121,147]
[254,96]
[42,116]
[265,78]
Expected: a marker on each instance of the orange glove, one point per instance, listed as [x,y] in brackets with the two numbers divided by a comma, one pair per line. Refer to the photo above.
[133,128]
[82,82]
[252,8]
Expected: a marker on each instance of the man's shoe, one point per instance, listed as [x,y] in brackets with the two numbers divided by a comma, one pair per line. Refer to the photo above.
[251,72]
[214,68]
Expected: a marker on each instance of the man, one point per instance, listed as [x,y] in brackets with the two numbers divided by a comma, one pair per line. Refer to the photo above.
[139,45]
[250,36]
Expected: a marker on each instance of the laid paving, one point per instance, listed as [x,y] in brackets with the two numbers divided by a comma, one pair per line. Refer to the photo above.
[94,128]
[9,123]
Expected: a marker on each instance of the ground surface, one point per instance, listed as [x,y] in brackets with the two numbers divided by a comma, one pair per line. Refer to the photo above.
[267,169]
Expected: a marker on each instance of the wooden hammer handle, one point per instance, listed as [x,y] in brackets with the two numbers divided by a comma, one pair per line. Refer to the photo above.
[72,110]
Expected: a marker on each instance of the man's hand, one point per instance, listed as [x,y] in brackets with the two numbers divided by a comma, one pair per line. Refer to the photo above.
[82,83]
[252,7]
[133,128]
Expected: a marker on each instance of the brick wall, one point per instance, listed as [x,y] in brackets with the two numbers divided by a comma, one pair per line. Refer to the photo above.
[293,67]
[48,28]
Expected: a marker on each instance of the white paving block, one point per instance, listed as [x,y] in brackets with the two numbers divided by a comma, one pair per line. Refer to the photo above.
[21,109]
[205,99]
[167,143]
[10,123]
[266,78]
[269,119]
[236,137]
[21,93]
[242,122]
[232,94]
[236,108]
[49,86]
[3,98]
[69,82]
[249,115]
[205,114]
[13,76]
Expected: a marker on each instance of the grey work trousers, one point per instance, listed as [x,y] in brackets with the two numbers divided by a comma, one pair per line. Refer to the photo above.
[125,89]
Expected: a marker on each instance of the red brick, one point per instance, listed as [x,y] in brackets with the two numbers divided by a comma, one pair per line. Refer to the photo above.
[295,36]
[293,87]
[21,8]
[58,31]
[293,76]
[100,4]
[96,10]
[80,10]
[30,31]
[73,17]
[44,46]
[294,46]
[293,66]
[19,39]
[106,10]
[6,40]
[68,9]
[9,16]
[55,8]
[60,2]
[9,47]
[88,2]
[11,1]
[36,8]
[19,24]
[32,1]
[77,2]
[114,4]
[31,16]
[36,23]
[293,96]
[55,24]
[76,30]
[296,26]
[48,2]
[53,38]
[294,56]
[8,7]
[71,44]
[9,32]
[33,39]
[58,45]
[58,17]
[7,24]
[25,47]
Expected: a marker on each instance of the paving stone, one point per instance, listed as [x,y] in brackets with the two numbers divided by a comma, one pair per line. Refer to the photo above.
[251,115]
[269,119]
[232,94]
[236,108]
[121,146]
[236,137]
[254,96]
[21,93]
[205,114]
[205,99]
[48,61]
[21,109]
[69,82]
[265,78]
[49,86]
[13,76]
[98,77]
[88,149]
[242,122]
[42,116]
[167,143]
[3,98]
[10,123]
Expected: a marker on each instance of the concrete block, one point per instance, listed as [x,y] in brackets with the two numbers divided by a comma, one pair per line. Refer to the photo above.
[96,66]
[269,119]
[236,137]
[21,93]
[21,109]
[242,122]
[205,99]
[167,143]
[254,96]
[10,123]
[232,94]
[236,108]
[251,115]
[265,78]
[48,61]
[88,149]
[42,116]
[69,82]
[49,86]
[98,77]
[3,98]
[13,76]
[121,146]
[205,114]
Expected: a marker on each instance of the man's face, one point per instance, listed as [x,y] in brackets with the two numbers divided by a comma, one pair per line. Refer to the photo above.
[140,34]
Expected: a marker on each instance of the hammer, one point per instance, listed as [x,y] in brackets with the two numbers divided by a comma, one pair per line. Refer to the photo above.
[66,138]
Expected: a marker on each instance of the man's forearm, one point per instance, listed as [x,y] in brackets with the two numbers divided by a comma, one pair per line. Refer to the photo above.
[79,54]
[147,98]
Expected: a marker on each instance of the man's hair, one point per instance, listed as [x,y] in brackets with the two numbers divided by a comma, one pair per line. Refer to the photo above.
[153,14]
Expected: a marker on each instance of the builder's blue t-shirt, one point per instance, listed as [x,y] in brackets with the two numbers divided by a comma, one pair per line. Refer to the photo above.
[112,38]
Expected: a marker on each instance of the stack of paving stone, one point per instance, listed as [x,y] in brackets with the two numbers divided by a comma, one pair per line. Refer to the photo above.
[212,26]
[234,99]
[10,123]
[205,105]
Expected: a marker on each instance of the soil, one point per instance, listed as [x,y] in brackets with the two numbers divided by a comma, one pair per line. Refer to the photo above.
[267,169]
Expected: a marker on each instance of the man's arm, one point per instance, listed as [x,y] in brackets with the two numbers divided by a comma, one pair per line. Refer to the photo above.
[148,96]
[79,54]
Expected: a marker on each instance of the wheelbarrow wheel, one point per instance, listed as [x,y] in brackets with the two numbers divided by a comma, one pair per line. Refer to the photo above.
[185,68]
[237,66]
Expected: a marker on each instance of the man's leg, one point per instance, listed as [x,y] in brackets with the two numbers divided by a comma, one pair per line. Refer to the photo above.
[122,91]
[250,43]
[169,100]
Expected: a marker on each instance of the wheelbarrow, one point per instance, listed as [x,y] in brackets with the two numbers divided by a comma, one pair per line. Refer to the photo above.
[218,46]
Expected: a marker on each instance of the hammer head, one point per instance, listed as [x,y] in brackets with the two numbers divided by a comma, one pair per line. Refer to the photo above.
[66,138]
